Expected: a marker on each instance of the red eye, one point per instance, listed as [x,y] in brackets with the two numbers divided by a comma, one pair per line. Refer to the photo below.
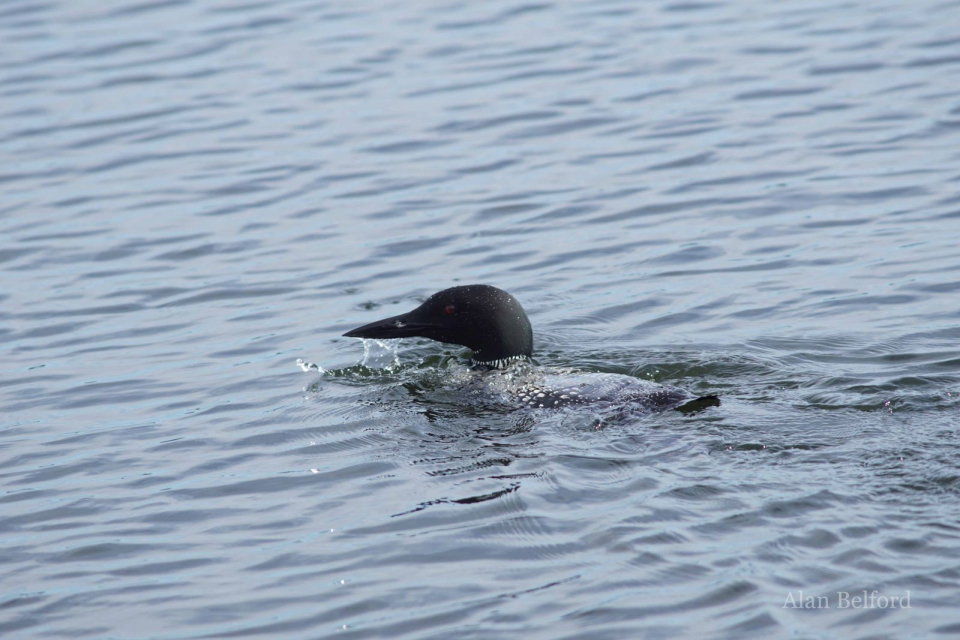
[450,309]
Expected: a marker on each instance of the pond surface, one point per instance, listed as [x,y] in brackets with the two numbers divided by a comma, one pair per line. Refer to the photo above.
[754,199]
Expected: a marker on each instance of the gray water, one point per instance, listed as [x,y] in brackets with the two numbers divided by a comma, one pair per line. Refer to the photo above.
[755,199]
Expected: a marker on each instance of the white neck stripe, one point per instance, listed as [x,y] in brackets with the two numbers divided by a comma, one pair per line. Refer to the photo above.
[499,363]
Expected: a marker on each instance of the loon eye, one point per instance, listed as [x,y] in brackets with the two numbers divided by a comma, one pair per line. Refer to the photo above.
[450,310]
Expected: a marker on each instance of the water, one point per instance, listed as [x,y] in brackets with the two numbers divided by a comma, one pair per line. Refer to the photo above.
[753,199]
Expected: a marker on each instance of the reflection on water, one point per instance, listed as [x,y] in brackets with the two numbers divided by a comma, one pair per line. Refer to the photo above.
[752,199]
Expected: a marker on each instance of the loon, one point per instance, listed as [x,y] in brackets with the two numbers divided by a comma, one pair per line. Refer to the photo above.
[493,325]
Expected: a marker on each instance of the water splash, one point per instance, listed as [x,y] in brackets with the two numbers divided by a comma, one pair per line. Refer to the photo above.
[380,354]
[307,367]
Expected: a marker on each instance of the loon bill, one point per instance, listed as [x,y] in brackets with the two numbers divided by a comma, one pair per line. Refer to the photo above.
[492,323]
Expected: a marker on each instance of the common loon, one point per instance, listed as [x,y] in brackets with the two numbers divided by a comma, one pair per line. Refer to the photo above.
[492,323]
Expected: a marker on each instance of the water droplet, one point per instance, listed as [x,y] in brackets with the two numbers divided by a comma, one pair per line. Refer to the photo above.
[307,367]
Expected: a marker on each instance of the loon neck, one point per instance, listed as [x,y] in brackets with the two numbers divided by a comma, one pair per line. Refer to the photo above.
[500,363]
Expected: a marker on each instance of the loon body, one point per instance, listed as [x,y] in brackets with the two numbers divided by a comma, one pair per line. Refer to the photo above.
[492,324]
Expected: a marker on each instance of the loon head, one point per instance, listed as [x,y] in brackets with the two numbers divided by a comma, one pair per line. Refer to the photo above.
[486,320]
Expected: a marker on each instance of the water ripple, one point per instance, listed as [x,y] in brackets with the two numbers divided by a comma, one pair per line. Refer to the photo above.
[756,200]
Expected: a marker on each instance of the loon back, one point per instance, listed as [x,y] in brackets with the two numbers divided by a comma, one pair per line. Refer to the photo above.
[486,320]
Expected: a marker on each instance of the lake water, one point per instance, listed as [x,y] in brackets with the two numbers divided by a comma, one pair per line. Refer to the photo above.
[754,199]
